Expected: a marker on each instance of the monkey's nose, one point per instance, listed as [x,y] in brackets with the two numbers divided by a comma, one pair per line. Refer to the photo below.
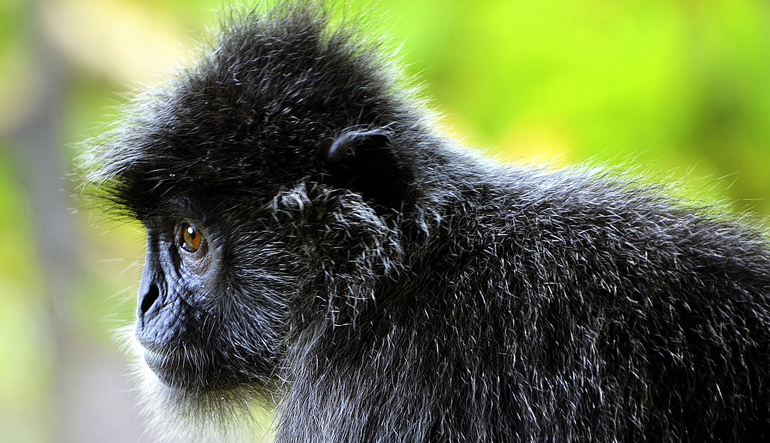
[149,298]
[158,322]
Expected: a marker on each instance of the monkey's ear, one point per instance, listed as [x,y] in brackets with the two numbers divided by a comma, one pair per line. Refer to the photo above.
[366,162]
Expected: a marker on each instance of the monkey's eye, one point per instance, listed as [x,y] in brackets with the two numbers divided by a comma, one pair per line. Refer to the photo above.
[190,238]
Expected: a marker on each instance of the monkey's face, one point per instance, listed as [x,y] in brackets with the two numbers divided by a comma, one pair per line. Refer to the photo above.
[180,269]
[212,301]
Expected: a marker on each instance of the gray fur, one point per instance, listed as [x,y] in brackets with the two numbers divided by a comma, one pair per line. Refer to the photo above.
[379,284]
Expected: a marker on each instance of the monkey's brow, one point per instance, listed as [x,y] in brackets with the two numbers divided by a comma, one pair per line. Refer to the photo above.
[176,208]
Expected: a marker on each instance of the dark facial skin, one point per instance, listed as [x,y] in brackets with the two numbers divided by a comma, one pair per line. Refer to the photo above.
[181,266]
[190,318]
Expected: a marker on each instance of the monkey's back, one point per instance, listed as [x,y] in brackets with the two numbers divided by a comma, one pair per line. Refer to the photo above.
[555,306]
[574,305]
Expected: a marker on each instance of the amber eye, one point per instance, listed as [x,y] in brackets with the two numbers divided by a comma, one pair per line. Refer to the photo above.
[190,238]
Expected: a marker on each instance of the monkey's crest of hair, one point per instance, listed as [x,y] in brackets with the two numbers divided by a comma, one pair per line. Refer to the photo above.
[287,76]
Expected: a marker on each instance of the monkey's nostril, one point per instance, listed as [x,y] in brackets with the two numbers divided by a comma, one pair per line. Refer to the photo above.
[149,298]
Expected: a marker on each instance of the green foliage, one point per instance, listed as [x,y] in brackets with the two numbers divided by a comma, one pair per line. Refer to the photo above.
[679,88]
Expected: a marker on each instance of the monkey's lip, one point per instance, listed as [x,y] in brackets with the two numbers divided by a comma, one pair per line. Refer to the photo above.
[164,365]
[179,370]
[156,360]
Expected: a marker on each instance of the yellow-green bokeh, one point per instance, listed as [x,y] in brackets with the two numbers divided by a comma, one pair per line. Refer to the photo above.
[677,88]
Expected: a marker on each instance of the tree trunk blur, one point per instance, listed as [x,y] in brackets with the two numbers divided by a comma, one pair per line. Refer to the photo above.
[91,398]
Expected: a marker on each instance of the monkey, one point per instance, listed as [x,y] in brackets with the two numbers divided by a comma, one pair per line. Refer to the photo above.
[316,245]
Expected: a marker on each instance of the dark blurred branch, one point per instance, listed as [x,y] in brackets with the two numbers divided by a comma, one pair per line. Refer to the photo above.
[42,169]
[83,380]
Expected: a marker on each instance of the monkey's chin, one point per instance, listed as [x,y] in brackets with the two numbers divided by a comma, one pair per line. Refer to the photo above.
[180,411]
[189,414]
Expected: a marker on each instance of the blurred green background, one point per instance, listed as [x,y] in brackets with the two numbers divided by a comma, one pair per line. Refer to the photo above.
[680,87]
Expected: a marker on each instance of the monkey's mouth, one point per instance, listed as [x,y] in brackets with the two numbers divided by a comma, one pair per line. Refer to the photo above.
[167,367]
[182,370]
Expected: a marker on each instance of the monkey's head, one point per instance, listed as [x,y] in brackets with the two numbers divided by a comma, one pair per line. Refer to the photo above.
[270,176]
